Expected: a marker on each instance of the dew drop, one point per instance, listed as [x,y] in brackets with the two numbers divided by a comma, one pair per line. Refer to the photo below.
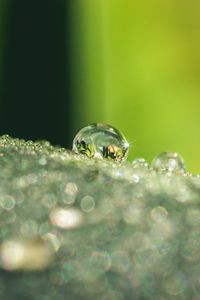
[140,163]
[169,162]
[101,141]
[24,255]
[42,161]
[52,242]
[66,218]
[159,214]
[87,204]
[7,202]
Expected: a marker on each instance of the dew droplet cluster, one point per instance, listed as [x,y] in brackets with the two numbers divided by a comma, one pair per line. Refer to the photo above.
[79,228]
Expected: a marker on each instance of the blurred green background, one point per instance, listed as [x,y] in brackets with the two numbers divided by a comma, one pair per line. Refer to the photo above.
[132,64]
[141,62]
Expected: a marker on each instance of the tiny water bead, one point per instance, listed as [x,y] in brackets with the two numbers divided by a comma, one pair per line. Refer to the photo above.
[169,162]
[139,163]
[101,141]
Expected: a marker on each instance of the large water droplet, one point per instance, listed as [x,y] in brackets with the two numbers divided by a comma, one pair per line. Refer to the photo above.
[169,162]
[101,141]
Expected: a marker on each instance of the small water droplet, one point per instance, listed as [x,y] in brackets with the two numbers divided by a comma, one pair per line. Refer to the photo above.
[87,204]
[139,163]
[21,255]
[159,214]
[52,242]
[66,218]
[42,161]
[169,162]
[101,141]
[7,202]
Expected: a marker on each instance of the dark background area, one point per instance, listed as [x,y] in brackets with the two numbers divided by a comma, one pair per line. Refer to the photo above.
[36,100]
